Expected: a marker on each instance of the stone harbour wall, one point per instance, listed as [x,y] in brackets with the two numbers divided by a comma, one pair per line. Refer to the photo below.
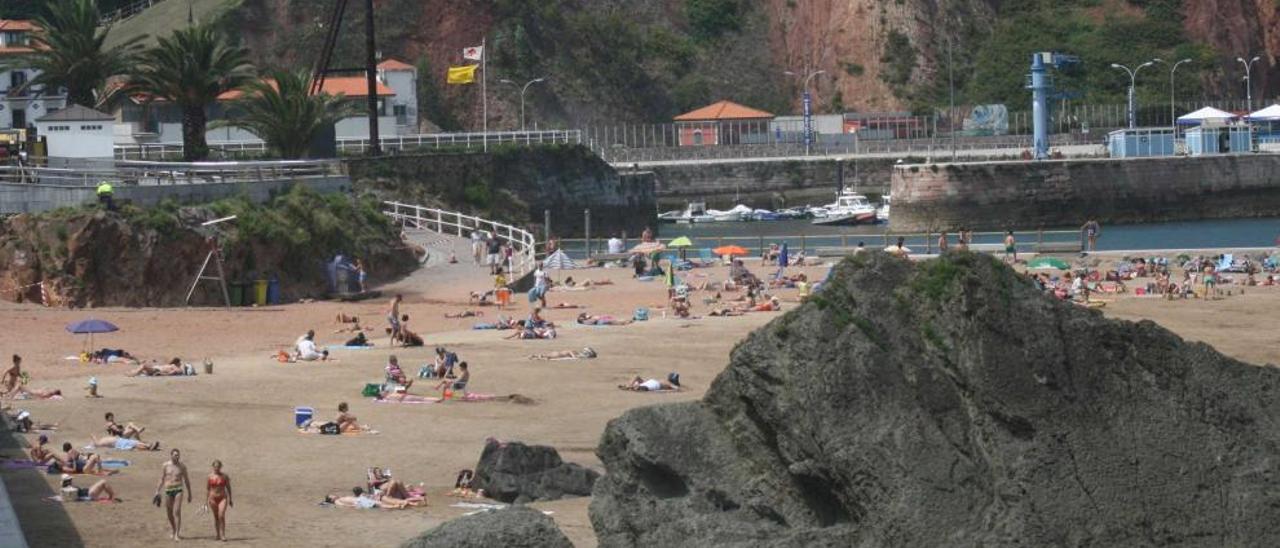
[1065,193]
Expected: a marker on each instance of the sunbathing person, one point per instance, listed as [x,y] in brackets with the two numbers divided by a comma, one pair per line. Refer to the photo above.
[123,444]
[344,318]
[771,305]
[584,354]
[459,384]
[305,349]
[502,322]
[346,421]
[566,306]
[98,491]
[396,375]
[359,340]
[464,314]
[589,319]
[360,500]
[724,312]
[526,331]
[639,384]
[355,326]
[172,369]
[130,430]
[40,454]
[589,282]
[108,356]
[24,393]
[72,462]
[482,298]
[406,337]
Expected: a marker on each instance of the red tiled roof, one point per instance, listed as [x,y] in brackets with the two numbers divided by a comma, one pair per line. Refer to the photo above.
[349,86]
[723,110]
[395,64]
[17,24]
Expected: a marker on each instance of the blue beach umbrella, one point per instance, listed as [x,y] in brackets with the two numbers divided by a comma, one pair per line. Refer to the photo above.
[91,326]
[784,256]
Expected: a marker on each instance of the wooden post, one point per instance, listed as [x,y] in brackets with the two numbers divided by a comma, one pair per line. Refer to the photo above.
[546,229]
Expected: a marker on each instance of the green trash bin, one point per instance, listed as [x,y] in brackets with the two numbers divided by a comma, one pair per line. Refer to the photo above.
[260,292]
[236,290]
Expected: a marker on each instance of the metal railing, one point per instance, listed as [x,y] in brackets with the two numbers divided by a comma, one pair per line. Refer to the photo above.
[173,151]
[128,11]
[464,140]
[523,260]
[836,244]
[91,173]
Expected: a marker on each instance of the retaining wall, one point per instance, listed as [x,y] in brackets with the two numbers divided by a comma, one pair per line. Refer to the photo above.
[34,198]
[1065,193]
[768,184]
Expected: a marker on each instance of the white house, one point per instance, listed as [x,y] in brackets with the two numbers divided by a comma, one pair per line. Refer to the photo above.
[402,78]
[20,104]
[78,133]
[146,120]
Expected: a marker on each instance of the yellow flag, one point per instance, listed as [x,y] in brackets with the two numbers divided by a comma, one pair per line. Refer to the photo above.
[462,75]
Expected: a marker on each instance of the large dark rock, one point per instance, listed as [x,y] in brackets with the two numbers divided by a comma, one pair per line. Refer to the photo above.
[515,527]
[950,404]
[515,472]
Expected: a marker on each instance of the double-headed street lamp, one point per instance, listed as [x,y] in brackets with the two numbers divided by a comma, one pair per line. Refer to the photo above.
[807,102]
[1248,87]
[1133,81]
[522,90]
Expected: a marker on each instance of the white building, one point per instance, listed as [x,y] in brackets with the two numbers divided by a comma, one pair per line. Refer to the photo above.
[20,104]
[402,78]
[78,133]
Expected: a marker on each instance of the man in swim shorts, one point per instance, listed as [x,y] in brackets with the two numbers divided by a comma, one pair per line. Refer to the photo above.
[173,480]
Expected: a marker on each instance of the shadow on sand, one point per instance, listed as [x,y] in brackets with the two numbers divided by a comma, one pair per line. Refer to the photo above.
[43,523]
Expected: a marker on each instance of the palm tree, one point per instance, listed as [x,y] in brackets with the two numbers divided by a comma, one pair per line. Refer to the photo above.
[191,68]
[70,52]
[282,112]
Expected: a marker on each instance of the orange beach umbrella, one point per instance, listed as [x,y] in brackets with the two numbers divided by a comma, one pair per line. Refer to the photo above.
[731,250]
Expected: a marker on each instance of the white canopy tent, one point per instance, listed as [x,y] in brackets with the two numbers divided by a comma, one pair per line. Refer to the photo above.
[1269,114]
[1206,115]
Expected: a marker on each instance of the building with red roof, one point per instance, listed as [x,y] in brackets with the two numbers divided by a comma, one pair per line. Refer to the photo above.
[720,123]
[21,103]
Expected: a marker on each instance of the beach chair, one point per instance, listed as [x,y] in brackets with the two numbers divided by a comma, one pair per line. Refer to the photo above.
[706,257]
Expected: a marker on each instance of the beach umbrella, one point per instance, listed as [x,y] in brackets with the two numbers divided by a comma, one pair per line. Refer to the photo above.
[91,326]
[1048,263]
[783,256]
[730,250]
[559,261]
[682,241]
[648,247]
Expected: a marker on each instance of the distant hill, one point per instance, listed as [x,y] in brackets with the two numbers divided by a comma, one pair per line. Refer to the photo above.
[643,61]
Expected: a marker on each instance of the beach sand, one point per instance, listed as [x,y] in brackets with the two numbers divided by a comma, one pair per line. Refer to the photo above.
[243,413]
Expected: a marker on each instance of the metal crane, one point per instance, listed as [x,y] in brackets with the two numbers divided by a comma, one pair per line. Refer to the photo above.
[1041,85]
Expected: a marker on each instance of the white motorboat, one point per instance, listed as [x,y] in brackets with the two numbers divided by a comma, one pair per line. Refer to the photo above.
[695,212]
[850,208]
[738,213]
[882,212]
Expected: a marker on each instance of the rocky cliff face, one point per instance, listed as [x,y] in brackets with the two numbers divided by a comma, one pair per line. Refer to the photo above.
[92,258]
[950,404]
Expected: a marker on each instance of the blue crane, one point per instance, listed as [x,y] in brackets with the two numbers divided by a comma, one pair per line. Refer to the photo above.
[1042,90]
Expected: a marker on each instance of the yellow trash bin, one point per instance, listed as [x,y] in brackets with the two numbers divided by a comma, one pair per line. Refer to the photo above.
[260,292]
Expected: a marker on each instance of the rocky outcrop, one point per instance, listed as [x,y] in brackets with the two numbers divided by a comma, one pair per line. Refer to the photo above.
[519,473]
[950,404]
[515,527]
[148,257]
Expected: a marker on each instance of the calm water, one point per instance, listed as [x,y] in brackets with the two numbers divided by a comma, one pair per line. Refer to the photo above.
[1174,235]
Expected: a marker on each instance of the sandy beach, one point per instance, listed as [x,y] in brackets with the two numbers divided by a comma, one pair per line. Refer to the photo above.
[243,413]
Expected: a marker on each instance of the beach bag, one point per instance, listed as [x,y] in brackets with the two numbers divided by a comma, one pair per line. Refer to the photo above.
[371,390]
[330,428]
[642,314]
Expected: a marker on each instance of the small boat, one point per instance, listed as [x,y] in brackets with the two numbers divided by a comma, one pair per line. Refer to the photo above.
[817,212]
[882,212]
[670,216]
[793,213]
[695,212]
[738,213]
[764,215]
[849,208]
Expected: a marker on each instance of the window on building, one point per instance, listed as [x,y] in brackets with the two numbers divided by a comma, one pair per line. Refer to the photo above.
[19,118]
[402,114]
[697,137]
[15,38]
[17,78]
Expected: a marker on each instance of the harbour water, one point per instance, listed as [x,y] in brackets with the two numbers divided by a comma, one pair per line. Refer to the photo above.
[800,234]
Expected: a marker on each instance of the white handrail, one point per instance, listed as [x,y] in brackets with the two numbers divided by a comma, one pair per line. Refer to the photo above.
[523,261]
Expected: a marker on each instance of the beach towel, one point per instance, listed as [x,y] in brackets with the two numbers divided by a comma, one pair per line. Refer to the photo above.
[370,432]
[333,347]
[107,464]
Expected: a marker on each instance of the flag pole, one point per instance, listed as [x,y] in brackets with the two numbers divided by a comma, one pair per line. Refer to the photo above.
[484,92]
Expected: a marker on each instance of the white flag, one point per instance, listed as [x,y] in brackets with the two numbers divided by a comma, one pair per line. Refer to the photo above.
[474,53]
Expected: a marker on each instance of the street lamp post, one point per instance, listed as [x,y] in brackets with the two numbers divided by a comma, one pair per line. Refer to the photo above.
[807,103]
[1248,84]
[1173,120]
[1133,82]
[522,90]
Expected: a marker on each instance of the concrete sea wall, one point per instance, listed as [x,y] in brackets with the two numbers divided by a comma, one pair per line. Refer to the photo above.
[769,184]
[1065,193]
[34,198]
[517,185]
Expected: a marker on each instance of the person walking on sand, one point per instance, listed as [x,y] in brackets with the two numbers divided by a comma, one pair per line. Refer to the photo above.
[1010,247]
[1092,230]
[218,497]
[477,246]
[393,316]
[173,480]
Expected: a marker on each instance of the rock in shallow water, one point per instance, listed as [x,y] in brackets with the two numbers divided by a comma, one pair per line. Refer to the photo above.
[948,403]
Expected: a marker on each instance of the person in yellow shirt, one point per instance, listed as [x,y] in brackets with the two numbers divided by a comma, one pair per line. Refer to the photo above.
[105,196]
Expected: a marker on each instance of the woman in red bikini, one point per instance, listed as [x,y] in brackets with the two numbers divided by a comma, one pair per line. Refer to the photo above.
[218,493]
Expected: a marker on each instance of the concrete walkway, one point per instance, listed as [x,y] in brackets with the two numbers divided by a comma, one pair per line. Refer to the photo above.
[10,529]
